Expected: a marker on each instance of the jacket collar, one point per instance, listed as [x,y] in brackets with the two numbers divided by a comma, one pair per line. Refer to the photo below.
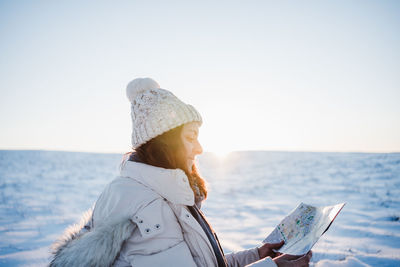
[172,184]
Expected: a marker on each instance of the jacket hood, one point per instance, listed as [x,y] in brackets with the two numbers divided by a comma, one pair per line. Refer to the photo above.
[172,184]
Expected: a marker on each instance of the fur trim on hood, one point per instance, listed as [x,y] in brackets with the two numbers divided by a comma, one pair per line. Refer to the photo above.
[84,245]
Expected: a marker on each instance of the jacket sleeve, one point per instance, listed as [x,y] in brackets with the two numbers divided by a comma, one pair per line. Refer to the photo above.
[178,255]
[248,257]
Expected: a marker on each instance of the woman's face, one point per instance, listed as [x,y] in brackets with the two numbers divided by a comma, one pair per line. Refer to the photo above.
[192,147]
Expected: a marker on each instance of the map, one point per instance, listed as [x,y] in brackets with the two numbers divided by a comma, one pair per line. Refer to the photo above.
[302,228]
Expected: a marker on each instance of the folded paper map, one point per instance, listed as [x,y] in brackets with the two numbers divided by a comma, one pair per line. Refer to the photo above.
[302,228]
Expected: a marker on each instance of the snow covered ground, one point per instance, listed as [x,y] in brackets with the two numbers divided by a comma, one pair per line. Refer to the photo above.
[42,192]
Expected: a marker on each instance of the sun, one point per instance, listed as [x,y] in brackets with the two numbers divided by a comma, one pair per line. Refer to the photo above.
[216,142]
[220,153]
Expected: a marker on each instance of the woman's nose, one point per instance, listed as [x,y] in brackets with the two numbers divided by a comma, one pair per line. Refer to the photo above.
[198,149]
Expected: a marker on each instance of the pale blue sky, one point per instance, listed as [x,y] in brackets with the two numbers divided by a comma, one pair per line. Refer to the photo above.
[265,75]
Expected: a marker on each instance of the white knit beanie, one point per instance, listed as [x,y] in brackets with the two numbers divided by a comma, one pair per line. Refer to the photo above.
[155,111]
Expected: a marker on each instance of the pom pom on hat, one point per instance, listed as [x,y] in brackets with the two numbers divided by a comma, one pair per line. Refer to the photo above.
[138,86]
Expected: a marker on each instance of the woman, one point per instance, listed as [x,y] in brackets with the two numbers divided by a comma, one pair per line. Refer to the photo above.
[150,214]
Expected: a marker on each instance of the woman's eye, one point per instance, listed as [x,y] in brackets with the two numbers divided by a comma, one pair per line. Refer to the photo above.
[190,139]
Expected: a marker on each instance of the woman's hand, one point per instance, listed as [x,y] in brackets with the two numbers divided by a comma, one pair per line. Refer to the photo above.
[267,250]
[286,260]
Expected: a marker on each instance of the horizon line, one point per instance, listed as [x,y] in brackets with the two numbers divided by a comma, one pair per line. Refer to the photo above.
[209,152]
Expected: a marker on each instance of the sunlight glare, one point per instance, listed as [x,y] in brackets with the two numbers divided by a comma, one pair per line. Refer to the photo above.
[221,153]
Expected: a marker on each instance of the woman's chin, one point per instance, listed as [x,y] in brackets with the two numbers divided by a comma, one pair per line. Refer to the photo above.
[190,165]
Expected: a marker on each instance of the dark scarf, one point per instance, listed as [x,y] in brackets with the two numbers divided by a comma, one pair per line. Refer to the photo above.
[212,236]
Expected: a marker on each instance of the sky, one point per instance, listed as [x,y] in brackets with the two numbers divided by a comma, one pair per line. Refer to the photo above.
[265,75]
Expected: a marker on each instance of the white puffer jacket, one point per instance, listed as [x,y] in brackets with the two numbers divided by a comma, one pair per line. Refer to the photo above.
[163,233]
